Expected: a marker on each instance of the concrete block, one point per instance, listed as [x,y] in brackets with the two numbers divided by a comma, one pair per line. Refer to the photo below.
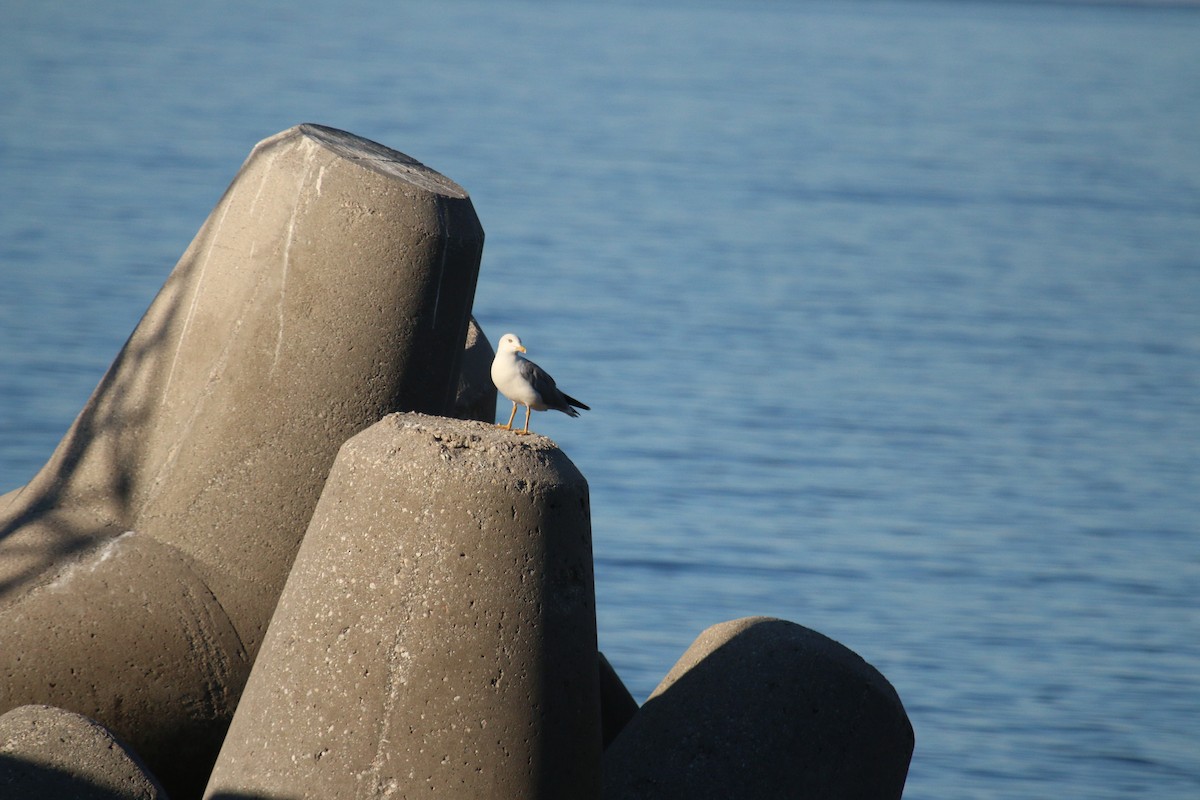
[47,752]
[476,398]
[331,285]
[761,707]
[131,635]
[617,705]
[436,636]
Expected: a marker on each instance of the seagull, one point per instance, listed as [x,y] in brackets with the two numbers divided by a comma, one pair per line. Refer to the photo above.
[527,384]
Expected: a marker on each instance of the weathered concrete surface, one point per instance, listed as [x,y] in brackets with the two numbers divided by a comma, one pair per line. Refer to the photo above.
[436,637]
[331,285]
[761,707]
[48,752]
[132,635]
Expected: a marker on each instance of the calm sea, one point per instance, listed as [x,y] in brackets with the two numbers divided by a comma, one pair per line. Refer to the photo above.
[889,312]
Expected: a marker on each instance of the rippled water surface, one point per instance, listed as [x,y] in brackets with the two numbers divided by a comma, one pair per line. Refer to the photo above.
[887,312]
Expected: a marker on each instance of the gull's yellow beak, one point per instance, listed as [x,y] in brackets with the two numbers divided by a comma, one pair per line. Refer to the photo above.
[521,347]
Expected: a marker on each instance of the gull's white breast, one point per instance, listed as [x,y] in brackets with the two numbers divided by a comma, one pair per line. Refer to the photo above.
[506,374]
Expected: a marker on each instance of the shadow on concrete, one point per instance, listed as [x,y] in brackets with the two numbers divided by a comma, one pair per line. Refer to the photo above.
[20,778]
[86,491]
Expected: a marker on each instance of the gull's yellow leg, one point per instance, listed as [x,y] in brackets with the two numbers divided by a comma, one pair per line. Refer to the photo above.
[511,417]
[528,410]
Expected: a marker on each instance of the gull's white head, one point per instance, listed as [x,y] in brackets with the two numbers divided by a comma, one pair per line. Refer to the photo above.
[510,343]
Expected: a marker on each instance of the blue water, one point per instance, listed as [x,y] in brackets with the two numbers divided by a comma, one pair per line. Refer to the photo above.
[887,311]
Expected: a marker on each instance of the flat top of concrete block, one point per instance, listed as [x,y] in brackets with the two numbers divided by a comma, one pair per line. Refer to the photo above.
[374,156]
[442,450]
[468,433]
[485,444]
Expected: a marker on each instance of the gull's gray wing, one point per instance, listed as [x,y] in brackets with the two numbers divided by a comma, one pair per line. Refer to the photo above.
[544,385]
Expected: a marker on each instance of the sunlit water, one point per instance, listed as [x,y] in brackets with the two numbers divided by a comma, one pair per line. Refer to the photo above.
[887,312]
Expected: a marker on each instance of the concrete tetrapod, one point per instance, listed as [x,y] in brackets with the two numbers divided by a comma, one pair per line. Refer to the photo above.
[476,396]
[617,705]
[437,634]
[762,707]
[331,285]
[47,752]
